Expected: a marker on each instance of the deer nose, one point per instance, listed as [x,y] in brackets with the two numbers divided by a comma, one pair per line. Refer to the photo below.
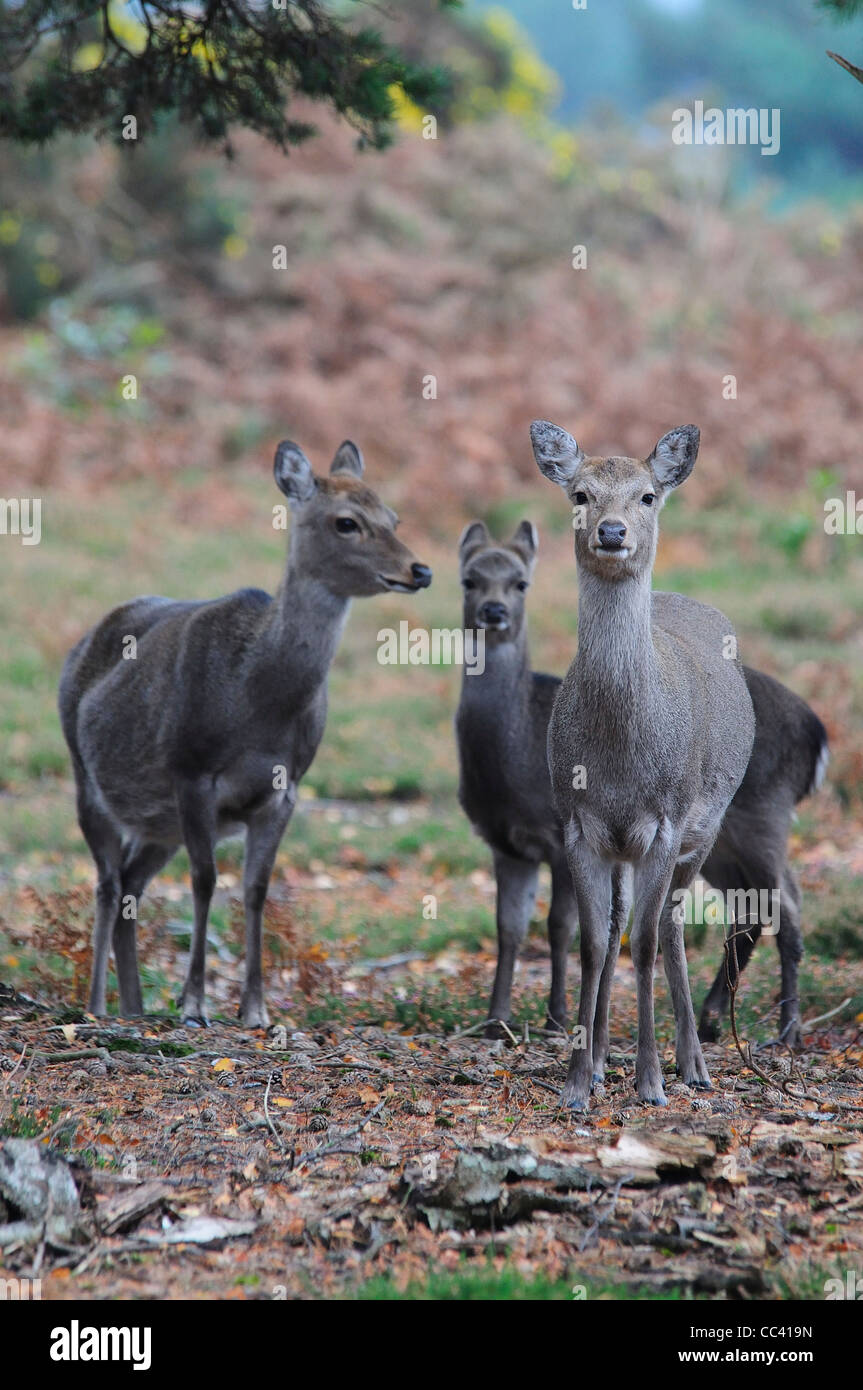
[422,575]
[492,613]
[611,534]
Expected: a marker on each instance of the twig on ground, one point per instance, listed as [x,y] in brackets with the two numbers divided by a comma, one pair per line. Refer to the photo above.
[510,1034]
[27,1070]
[10,1074]
[603,1216]
[810,1022]
[273,1130]
[349,1134]
[77,1054]
[534,1081]
[782,1084]
[464,1032]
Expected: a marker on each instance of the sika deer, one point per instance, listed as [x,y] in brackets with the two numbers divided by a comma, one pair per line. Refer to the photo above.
[210,727]
[789,760]
[505,790]
[649,738]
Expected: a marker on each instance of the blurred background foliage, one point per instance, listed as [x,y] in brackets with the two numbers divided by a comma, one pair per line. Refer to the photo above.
[562,75]
[629,57]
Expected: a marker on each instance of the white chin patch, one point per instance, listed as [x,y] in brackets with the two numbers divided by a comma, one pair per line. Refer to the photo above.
[620,554]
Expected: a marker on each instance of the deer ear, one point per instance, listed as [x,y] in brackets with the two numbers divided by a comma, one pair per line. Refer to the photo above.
[674,457]
[293,473]
[473,537]
[348,459]
[526,539]
[555,451]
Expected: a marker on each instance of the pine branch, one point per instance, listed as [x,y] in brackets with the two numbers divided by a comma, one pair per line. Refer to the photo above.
[218,65]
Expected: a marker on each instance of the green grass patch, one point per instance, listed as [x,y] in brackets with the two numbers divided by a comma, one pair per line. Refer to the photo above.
[838,927]
[439,1006]
[20,1123]
[486,1284]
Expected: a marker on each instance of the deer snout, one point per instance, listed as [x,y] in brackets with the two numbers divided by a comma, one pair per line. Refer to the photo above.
[493,615]
[420,578]
[611,534]
[422,575]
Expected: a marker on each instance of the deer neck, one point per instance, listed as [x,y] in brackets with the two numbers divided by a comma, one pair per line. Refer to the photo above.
[300,636]
[616,663]
[505,679]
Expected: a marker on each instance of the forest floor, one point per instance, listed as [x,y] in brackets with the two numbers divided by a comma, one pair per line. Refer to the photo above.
[374,1144]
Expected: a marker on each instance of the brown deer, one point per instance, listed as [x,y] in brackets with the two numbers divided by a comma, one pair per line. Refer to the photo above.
[208,730]
[649,739]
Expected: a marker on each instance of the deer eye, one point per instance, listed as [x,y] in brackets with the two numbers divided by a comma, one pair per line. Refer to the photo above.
[649,498]
[468,584]
[580,499]
[345,525]
[522,586]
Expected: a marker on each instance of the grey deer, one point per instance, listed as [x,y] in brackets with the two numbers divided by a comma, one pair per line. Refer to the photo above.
[505,790]
[649,739]
[208,730]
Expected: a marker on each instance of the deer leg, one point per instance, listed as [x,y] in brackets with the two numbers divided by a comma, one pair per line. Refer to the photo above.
[690,1059]
[139,868]
[263,836]
[652,881]
[106,847]
[516,895]
[790,943]
[746,929]
[592,881]
[621,895]
[562,917]
[198,825]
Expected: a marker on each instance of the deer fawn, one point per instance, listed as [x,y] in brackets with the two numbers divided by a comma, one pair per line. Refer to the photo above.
[210,727]
[505,790]
[649,738]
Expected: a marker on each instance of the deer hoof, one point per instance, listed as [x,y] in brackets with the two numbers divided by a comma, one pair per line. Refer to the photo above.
[575,1097]
[651,1089]
[577,1104]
